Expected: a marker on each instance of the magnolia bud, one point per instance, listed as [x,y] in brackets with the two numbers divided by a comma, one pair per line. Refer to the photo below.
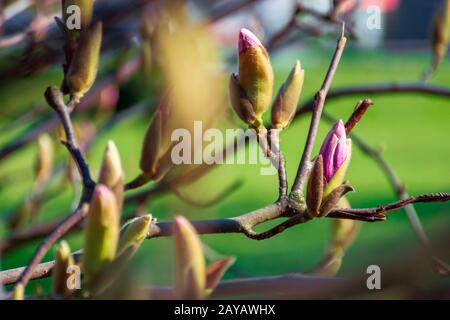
[336,154]
[63,260]
[44,164]
[190,275]
[216,270]
[86,10]
[134,232]
[111,173]
[286,102]
[255,72]
[151,146]
[84,64]
[101,232]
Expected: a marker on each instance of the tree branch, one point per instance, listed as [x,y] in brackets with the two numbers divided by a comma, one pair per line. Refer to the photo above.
[319,101]
[56,100]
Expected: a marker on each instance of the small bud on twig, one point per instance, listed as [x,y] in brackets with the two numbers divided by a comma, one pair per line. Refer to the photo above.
[286,102]
[63,261]
[84,64]
[101,232]
[255,72]
[190,274]
[111,173]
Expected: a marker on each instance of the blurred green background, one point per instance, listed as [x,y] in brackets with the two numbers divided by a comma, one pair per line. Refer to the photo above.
[412,130]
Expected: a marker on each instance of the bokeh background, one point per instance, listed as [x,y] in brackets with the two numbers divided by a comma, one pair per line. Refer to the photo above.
[412,130]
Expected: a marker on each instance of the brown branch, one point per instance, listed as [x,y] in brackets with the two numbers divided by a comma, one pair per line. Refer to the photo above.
[244,224]
[319,101]
[56,100]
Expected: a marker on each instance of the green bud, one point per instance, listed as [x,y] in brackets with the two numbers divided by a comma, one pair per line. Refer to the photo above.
[134,232]
[63,259]
[190,275]
[255,72]
[84,64]
[286,102]
[111,173]
[101,232]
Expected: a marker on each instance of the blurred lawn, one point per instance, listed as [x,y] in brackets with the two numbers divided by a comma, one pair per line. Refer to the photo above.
[413,131]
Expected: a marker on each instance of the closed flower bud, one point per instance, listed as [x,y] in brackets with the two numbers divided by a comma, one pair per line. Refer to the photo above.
[44,164]
[190,274]
[84,65]
[111,173]
[63,260]
[134,232]
[286,102]
[255,72]
[151,147]
[101,232]
[86,10]
[336,154]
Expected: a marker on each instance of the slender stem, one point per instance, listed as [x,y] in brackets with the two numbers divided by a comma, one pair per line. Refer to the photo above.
[319,101]
[243,224]
[55,99]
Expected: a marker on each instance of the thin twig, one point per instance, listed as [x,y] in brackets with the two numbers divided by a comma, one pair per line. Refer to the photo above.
[319,101]
[56,101]
[244,224]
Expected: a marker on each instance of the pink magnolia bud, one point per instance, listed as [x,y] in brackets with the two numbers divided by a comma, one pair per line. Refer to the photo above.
[255,72]
[334,150]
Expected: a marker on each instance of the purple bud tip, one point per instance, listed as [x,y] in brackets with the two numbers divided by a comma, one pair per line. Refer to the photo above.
[334,150]
[247,40]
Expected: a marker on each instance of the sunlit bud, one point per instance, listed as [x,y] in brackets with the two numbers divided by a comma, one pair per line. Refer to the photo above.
[190,275]
[134,232]
[315,187]
[255,72]
[286,102]
[335,151]
[63,259]
[101,232]
[84,65]
[85,8]
[111,173]
[44,163]
[441,37]
[151,146]
[19,292]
